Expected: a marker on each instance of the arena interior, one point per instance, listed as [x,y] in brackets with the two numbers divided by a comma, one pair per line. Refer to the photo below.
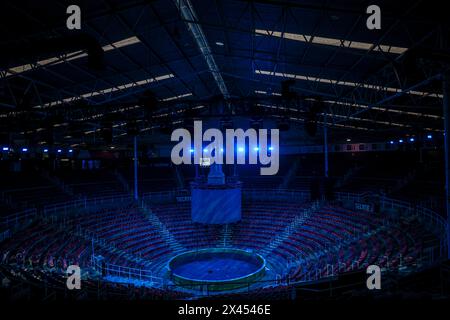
[356,114]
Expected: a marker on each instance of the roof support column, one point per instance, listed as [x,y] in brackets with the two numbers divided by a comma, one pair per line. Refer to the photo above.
[135,161]
[446,93]
[325,146]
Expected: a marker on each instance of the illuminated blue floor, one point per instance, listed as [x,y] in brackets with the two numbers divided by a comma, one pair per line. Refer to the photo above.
[216,268]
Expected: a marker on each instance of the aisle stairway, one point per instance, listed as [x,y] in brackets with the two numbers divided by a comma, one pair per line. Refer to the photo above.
[165,233]
[298,220]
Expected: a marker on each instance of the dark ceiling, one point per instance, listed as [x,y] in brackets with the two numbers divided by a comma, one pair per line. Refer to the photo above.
[156,64]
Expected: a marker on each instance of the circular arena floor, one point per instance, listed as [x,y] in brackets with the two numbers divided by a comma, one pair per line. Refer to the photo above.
[218,268]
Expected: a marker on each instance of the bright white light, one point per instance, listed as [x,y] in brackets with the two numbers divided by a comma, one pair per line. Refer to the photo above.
[411,139]
[219,43]
[5,149]
[45,150]
[240,149]
[59,150]
[401,140]
[70,150]
[24,149]
[429,136]
[256,148]
[270,148]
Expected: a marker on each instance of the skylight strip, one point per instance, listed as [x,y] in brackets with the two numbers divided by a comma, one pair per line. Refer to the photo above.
[345,83]
[70,56]
[177,97]
[107,90]
[362,106]
[335,42]
[346,117]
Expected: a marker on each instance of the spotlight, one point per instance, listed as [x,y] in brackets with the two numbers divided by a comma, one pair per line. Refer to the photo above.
[191,150]
[5,149]
[270,148]
[70,150]
[429,136]
[45,150]
[400,140]
[391,142]
[59,150]
[240,149]
[256,148]
[24,149]
[348,139]
[411,139]
[205,150]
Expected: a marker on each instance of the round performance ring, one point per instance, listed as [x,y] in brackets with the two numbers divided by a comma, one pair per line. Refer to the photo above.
[218,268]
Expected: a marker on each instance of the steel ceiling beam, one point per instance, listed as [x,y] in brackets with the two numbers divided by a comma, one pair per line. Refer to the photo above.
[187,12]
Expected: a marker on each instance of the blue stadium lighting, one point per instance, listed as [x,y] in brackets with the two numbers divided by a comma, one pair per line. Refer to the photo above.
[401,140]
[429,136]
[391,142]
[59,151]
[70,150]
[412,139]
[45,150]
[24,149]
[5,149]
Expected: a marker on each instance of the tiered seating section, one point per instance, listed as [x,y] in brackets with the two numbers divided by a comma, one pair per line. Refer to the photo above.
[327,241]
